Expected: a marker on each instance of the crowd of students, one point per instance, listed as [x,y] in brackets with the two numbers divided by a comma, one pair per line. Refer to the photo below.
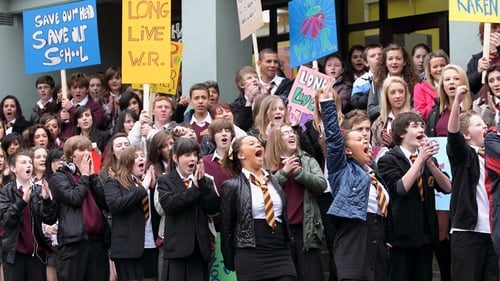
[95,187]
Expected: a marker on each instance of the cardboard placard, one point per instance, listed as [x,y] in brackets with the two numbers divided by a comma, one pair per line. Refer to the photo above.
[145,41]
[61,37]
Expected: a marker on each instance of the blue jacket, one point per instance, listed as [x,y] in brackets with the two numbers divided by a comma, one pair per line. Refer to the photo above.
[350,183]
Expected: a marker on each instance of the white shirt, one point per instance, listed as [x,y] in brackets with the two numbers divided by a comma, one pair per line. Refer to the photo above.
[41,105]
[201,123]
[277,81]
[258,206]
[483,205]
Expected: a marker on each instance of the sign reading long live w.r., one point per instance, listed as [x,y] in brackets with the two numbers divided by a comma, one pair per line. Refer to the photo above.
[145,41]
[61,37]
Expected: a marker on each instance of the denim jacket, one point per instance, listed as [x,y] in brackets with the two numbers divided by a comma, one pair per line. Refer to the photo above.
[350,183]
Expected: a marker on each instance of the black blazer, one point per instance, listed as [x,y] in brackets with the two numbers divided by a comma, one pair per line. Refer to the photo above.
[186,215]
[127,228]
[411,218]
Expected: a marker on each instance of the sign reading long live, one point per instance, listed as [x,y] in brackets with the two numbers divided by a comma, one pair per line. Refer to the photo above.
[61,37]
[146,41]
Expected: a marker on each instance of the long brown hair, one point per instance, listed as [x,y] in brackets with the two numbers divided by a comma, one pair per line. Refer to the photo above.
[125,165]
[110,160]
[154,151]
[407,73]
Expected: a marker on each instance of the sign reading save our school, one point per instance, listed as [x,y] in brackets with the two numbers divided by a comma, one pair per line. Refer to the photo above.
[301,97]
[61,37]
[146,41]
[474,10]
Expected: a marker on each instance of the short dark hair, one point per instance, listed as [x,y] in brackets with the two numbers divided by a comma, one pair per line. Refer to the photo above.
[198,86]
[266,51]
[401,122]
[13,157]
[182,146]
[45,79]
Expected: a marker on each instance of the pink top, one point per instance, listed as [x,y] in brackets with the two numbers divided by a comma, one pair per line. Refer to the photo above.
[423,98]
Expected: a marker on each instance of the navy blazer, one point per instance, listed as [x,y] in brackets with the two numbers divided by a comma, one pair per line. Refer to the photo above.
[186,215]
[127,226]
[411,218]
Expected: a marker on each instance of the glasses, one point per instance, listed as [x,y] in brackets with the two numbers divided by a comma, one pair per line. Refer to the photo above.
[287,133]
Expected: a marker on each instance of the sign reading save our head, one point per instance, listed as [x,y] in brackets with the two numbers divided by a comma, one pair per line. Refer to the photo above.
[61,37]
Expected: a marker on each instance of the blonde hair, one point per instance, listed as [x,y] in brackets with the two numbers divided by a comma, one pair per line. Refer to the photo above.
[444,99]
[276,147]
[385,105]
[262,119]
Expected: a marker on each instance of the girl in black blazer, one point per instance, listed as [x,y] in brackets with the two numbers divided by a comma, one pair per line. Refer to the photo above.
[128,196]
[188,198]
[254,241]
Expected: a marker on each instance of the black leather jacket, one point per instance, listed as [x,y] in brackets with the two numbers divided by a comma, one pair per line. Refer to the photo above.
[69,196]
[236,216]
[11,215]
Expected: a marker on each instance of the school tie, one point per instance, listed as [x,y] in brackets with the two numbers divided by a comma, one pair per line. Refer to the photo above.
[381,198]
[480,152]
[187,182]
[268,202]
[144,201]
[420,181]
[271,87]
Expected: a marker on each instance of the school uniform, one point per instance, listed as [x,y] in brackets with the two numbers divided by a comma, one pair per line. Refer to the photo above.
[138,260]
[473,256]
[247,241]
[187,246]
[24,248]
[360,226]
[415,225]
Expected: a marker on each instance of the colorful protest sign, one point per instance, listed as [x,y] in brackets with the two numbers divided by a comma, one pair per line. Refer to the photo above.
[61,37]
[249,16]
[219,272]
[301,97]
[313,30]
[169,88]
[474,11]
[442,200]
[145,41]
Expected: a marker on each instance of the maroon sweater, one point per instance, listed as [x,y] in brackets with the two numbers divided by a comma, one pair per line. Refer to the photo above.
[93,222]
[294,193]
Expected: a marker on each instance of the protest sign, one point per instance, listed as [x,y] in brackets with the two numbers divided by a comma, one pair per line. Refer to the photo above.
[313,30]
[442,200]
[249,16]
[301,97]
[474,11]
[169,88]
[145,41]
[219,272]
[61,37]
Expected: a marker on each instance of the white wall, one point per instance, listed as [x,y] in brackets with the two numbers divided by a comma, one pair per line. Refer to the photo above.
[464,42]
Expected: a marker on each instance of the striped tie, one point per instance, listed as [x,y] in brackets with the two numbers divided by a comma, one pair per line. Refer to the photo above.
[381,198]
[480,152]
[144,201]
[420,181]
[187,182]
[268,202]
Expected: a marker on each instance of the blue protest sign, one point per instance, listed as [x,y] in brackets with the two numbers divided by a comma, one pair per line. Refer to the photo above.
[61,37]
[313,30]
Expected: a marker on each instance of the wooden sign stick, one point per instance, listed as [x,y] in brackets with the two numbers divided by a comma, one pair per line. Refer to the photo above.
[256,53]
[64,84]
[486,45]
[145,97]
